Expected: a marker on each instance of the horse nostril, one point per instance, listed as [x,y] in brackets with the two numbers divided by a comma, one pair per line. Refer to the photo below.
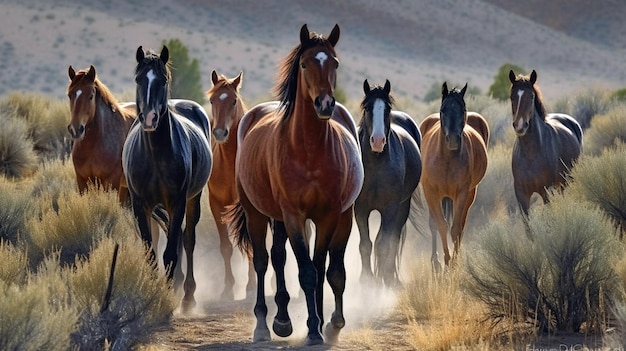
[81,129]
[318,103]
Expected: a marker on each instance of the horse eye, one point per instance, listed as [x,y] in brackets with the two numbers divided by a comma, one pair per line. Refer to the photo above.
[91,97]
[302,65]
[234,102]
[211,102]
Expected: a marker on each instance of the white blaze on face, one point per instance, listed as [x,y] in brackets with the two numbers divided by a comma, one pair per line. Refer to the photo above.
[151,76]
[321,57]
[78,92]
[520,121]
[223,96]
[377,140]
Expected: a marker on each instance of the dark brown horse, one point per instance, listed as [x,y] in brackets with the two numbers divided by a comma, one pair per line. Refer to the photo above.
[167,162]
[454,159]
[299,159]
[227,108]
[98,127]
[390,142]
[547,145]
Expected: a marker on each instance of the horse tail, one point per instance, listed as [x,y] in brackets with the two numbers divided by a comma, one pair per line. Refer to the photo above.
[235,217]
[418,214]
[161,217]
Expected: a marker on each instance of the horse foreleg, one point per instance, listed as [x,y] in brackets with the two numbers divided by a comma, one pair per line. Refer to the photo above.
[336,274]
[361,216]
[439,225]
[282,323]
[307,275]
[189,243]
[226,249]
[462,205]
[385,249]
[174,233]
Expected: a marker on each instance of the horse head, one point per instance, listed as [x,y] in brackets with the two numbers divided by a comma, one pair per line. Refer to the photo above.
[453,115]
[152,77]
[523,100]
[82,92]
[226,104]
[376,119]
[318,69]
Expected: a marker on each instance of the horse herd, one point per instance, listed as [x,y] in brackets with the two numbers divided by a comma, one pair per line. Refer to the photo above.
[298,159]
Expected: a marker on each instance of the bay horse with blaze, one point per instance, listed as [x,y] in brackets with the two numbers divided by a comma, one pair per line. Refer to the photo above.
[167,161]
[547,144]
[454,159]
[98,127]
[227,108]
[390,142]
[299,159]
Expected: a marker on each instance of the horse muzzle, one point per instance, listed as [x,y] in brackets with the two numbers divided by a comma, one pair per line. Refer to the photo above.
[325,106]
[453,142]
[220,134]
[520,127]
[77,133]
[377,143]
[150,121]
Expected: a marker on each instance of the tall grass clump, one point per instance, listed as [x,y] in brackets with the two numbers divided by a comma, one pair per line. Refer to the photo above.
[12,269]
[586,105]
[141,297]
[556,277]
[605,131]
[601,181]
[439,315]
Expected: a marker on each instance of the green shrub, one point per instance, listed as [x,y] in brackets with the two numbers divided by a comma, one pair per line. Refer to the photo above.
[500,89]
[585,106]
[186,78]
[558,277]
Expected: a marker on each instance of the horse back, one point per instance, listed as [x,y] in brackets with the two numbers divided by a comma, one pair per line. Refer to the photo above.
[193,112]
[427,125]
[342,116]
[476,121]
[568,122]
[407,123]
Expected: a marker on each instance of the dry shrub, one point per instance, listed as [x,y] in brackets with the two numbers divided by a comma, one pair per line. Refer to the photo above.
[12,270]
[17,158]
[79,222]
[558,276]
[605,131]
[601,181]
[141,299]
[15,206]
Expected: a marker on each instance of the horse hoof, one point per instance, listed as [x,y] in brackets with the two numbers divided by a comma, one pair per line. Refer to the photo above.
[227,295]
[282,329]
[337,321]
[331,333]
[188,304]
[315,339]
[261,335]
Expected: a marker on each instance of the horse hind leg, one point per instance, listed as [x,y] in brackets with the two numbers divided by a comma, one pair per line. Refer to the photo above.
[282,322]
[365,244]
[387,244]
[226,249]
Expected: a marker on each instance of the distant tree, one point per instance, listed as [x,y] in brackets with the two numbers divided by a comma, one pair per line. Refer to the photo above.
[434,91]
[501,84]
[186,78]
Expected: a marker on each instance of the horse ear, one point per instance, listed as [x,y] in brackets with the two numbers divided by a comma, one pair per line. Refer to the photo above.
[304,34]
[533,77]
[464,90]
[366,87]
[387,87]
[444,90]
[71,72]
[139,55]
[333,38]
[92,73]
[237,80]
[214,77]
[512,76]
[165,54]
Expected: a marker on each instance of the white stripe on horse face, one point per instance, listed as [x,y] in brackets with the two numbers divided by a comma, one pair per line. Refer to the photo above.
[520,93]
[223,96]
[378,116]
[78,92]
[321,57]
[151,76]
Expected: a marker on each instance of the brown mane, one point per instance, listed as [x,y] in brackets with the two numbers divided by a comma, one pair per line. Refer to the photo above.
[106,95]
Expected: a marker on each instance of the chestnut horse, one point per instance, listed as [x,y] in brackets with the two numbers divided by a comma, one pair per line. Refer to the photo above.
[167,162]
[98,127]
[547,145]
[299,159]
[390,142]
[227,108]
[454,159]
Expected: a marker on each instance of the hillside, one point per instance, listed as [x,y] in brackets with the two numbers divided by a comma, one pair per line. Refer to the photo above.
[414,44]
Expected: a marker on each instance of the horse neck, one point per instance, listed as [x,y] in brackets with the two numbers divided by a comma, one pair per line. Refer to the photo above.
[162,135]
[534,139]
[304,125]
